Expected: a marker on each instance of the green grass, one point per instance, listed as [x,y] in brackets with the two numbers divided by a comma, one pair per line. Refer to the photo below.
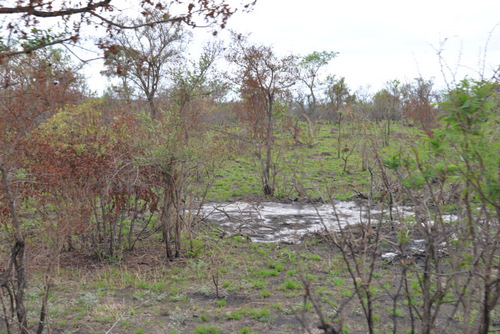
[290,285]
[318,168]
[187,303]
[237,314]
[265,293]
[207,330]
[221,303]
[261,314]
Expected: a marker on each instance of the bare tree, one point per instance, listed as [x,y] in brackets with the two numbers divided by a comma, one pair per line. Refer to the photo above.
[419,103]
[145,54]
[338,98]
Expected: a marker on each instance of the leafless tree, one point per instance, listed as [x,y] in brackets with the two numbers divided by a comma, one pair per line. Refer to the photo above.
[145,56]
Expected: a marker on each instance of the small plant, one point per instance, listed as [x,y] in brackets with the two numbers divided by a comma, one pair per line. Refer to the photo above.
[239,238]
[221,303]
[315,257]
[236,315]
[260,283]
[338,281]
[87,300]
[311,277]
[207,330]
[395,312]
[178,316]
[194,246]
[178,298]
[265,293]
[205,290]
[290,285]
[262,314]
[276,266]
[265,273]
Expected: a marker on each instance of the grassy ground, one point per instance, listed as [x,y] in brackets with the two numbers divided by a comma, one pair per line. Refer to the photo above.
[312,165]
[231,286]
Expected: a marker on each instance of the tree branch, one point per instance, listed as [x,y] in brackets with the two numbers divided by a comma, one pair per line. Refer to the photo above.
[30,10]
[34,48]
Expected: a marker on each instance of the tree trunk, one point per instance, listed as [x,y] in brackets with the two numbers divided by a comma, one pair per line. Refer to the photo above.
[268,187]
[166,219]
[17,257]
[152,107]
[339,148]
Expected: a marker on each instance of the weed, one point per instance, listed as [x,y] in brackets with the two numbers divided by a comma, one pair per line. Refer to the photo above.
[205,290]
[265,273]
[88,300]
[221,303]
[346,293]
[259,283]
[338,281]
[239,238]
[276,266]
[311,277]
[178,316]
[357,311]
[179,298]
[325,299]
[290,285]
[262,314]
[262,252]
[278,307]
[265,293]
[207,330]
[236,315]
[315,257]
[288,253]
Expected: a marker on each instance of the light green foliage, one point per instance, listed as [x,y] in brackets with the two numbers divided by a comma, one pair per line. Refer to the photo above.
[318,58]
[465,147]
[472,135]
[74,125]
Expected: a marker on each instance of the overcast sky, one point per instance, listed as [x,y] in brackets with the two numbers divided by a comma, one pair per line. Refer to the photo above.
[380,40]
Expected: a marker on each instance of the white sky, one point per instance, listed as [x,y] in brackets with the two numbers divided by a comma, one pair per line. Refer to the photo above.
[381,40]
[378,40]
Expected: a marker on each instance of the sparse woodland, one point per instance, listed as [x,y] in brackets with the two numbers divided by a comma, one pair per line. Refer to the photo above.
[102,227]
